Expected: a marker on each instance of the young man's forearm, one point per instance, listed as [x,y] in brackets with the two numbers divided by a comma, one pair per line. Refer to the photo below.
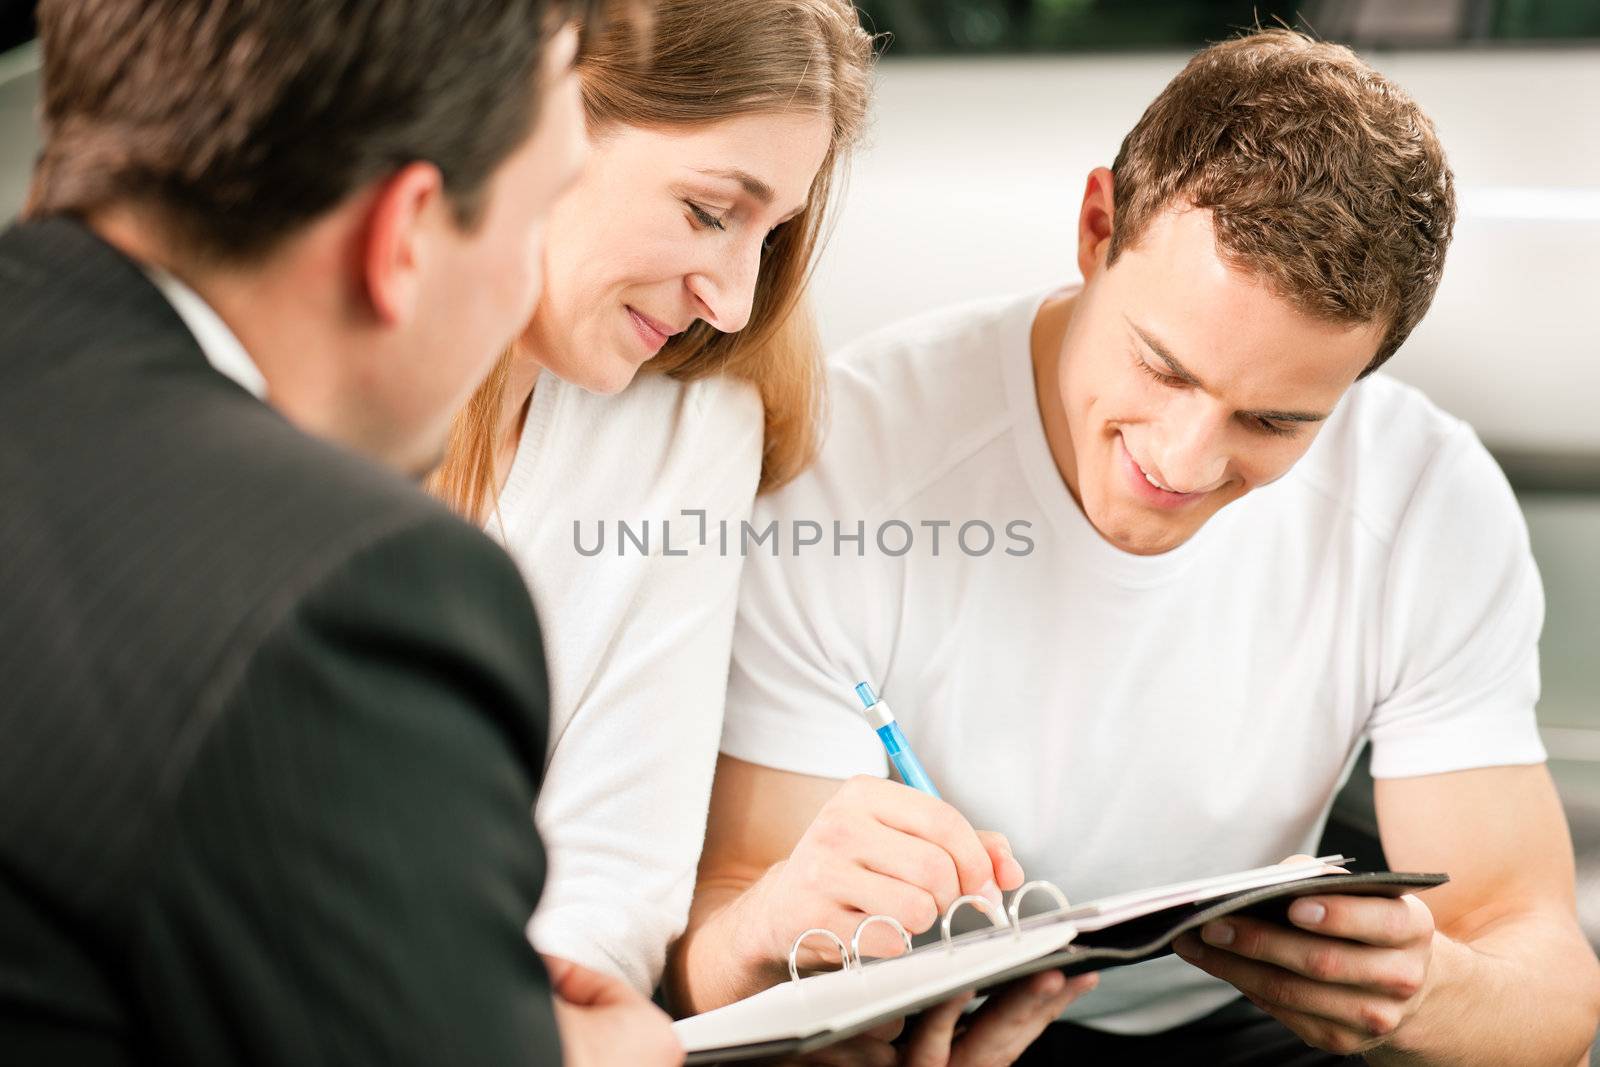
[714,962]
[1525,990]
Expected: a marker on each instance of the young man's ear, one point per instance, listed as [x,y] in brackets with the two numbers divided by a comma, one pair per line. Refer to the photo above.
[1095,220]
[396,240]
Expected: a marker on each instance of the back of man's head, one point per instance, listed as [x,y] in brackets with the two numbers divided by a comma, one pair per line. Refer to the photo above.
[238,121]
[1322,177]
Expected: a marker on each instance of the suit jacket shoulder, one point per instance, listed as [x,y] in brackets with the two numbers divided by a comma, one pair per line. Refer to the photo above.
[190,584]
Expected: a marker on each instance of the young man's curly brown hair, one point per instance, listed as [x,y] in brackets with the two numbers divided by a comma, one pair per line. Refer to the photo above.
[1322,176]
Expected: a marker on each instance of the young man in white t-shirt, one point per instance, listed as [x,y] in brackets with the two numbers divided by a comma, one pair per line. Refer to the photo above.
[1141,565]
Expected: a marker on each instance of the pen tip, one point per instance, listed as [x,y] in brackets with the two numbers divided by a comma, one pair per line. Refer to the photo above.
[868,697]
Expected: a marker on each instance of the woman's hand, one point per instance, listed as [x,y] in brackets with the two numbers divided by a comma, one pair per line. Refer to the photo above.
[603,1021]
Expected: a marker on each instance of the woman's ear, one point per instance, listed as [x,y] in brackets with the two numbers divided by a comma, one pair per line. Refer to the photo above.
[1095,222]
[404,211]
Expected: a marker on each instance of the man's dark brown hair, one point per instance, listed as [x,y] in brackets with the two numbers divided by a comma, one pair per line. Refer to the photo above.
[238,121]
[1322,177]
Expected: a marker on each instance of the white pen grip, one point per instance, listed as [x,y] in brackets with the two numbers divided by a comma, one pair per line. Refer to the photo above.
[879,715]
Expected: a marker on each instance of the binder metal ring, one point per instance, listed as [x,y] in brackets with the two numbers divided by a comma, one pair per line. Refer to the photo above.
[855,942]
[983,904]
[794,950]
[1016,901]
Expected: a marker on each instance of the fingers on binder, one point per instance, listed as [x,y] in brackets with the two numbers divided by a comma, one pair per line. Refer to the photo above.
[1010,919]
[808,1013]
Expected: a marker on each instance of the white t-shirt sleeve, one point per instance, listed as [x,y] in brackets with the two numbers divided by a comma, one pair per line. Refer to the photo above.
[1463,607]
[813,622]
[622,809]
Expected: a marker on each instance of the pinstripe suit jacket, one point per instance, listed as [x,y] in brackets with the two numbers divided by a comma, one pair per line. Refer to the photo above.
[271,721]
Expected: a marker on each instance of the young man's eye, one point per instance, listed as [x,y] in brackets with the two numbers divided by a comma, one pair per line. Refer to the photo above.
[704,217]
[1276,429]
[1164,379]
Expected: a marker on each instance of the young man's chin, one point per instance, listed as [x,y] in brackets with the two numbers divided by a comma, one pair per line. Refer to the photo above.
[1140,531]
[1151,542]
[1142,520]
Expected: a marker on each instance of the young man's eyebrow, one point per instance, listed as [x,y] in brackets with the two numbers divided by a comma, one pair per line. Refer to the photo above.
[1181,372]
[1178,369]
[1288,416]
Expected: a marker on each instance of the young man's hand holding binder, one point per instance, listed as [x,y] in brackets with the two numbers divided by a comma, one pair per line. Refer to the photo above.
[1349,974]
[946,1036]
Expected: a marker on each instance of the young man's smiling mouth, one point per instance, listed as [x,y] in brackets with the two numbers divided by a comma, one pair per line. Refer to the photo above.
[1148,487]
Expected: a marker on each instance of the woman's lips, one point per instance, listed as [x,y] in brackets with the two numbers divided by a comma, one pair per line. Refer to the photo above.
[650,332]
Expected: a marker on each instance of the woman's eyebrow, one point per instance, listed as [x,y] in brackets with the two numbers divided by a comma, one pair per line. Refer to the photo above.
[758,189]
[752,185]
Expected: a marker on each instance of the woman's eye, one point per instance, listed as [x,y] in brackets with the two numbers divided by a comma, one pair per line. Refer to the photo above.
[704,217]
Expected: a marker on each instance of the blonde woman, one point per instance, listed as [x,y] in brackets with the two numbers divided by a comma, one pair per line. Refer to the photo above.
[671,368]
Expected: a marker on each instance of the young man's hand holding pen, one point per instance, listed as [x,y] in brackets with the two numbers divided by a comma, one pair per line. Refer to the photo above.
[875,848]
[829,855]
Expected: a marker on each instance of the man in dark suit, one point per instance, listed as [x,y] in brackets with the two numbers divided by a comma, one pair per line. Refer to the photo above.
[16,24]
[271,721]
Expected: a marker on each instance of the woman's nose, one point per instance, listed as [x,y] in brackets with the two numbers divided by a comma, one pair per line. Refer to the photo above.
[726,289]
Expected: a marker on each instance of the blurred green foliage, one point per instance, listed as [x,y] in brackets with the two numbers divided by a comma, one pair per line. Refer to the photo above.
[919,27]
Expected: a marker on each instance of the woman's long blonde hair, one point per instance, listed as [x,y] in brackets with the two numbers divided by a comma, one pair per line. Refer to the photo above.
[704,61]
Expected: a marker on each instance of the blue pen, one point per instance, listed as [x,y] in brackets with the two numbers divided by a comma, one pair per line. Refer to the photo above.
[899,749]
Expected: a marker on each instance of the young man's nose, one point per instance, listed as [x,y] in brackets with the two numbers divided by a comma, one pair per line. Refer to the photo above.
[1194,456]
